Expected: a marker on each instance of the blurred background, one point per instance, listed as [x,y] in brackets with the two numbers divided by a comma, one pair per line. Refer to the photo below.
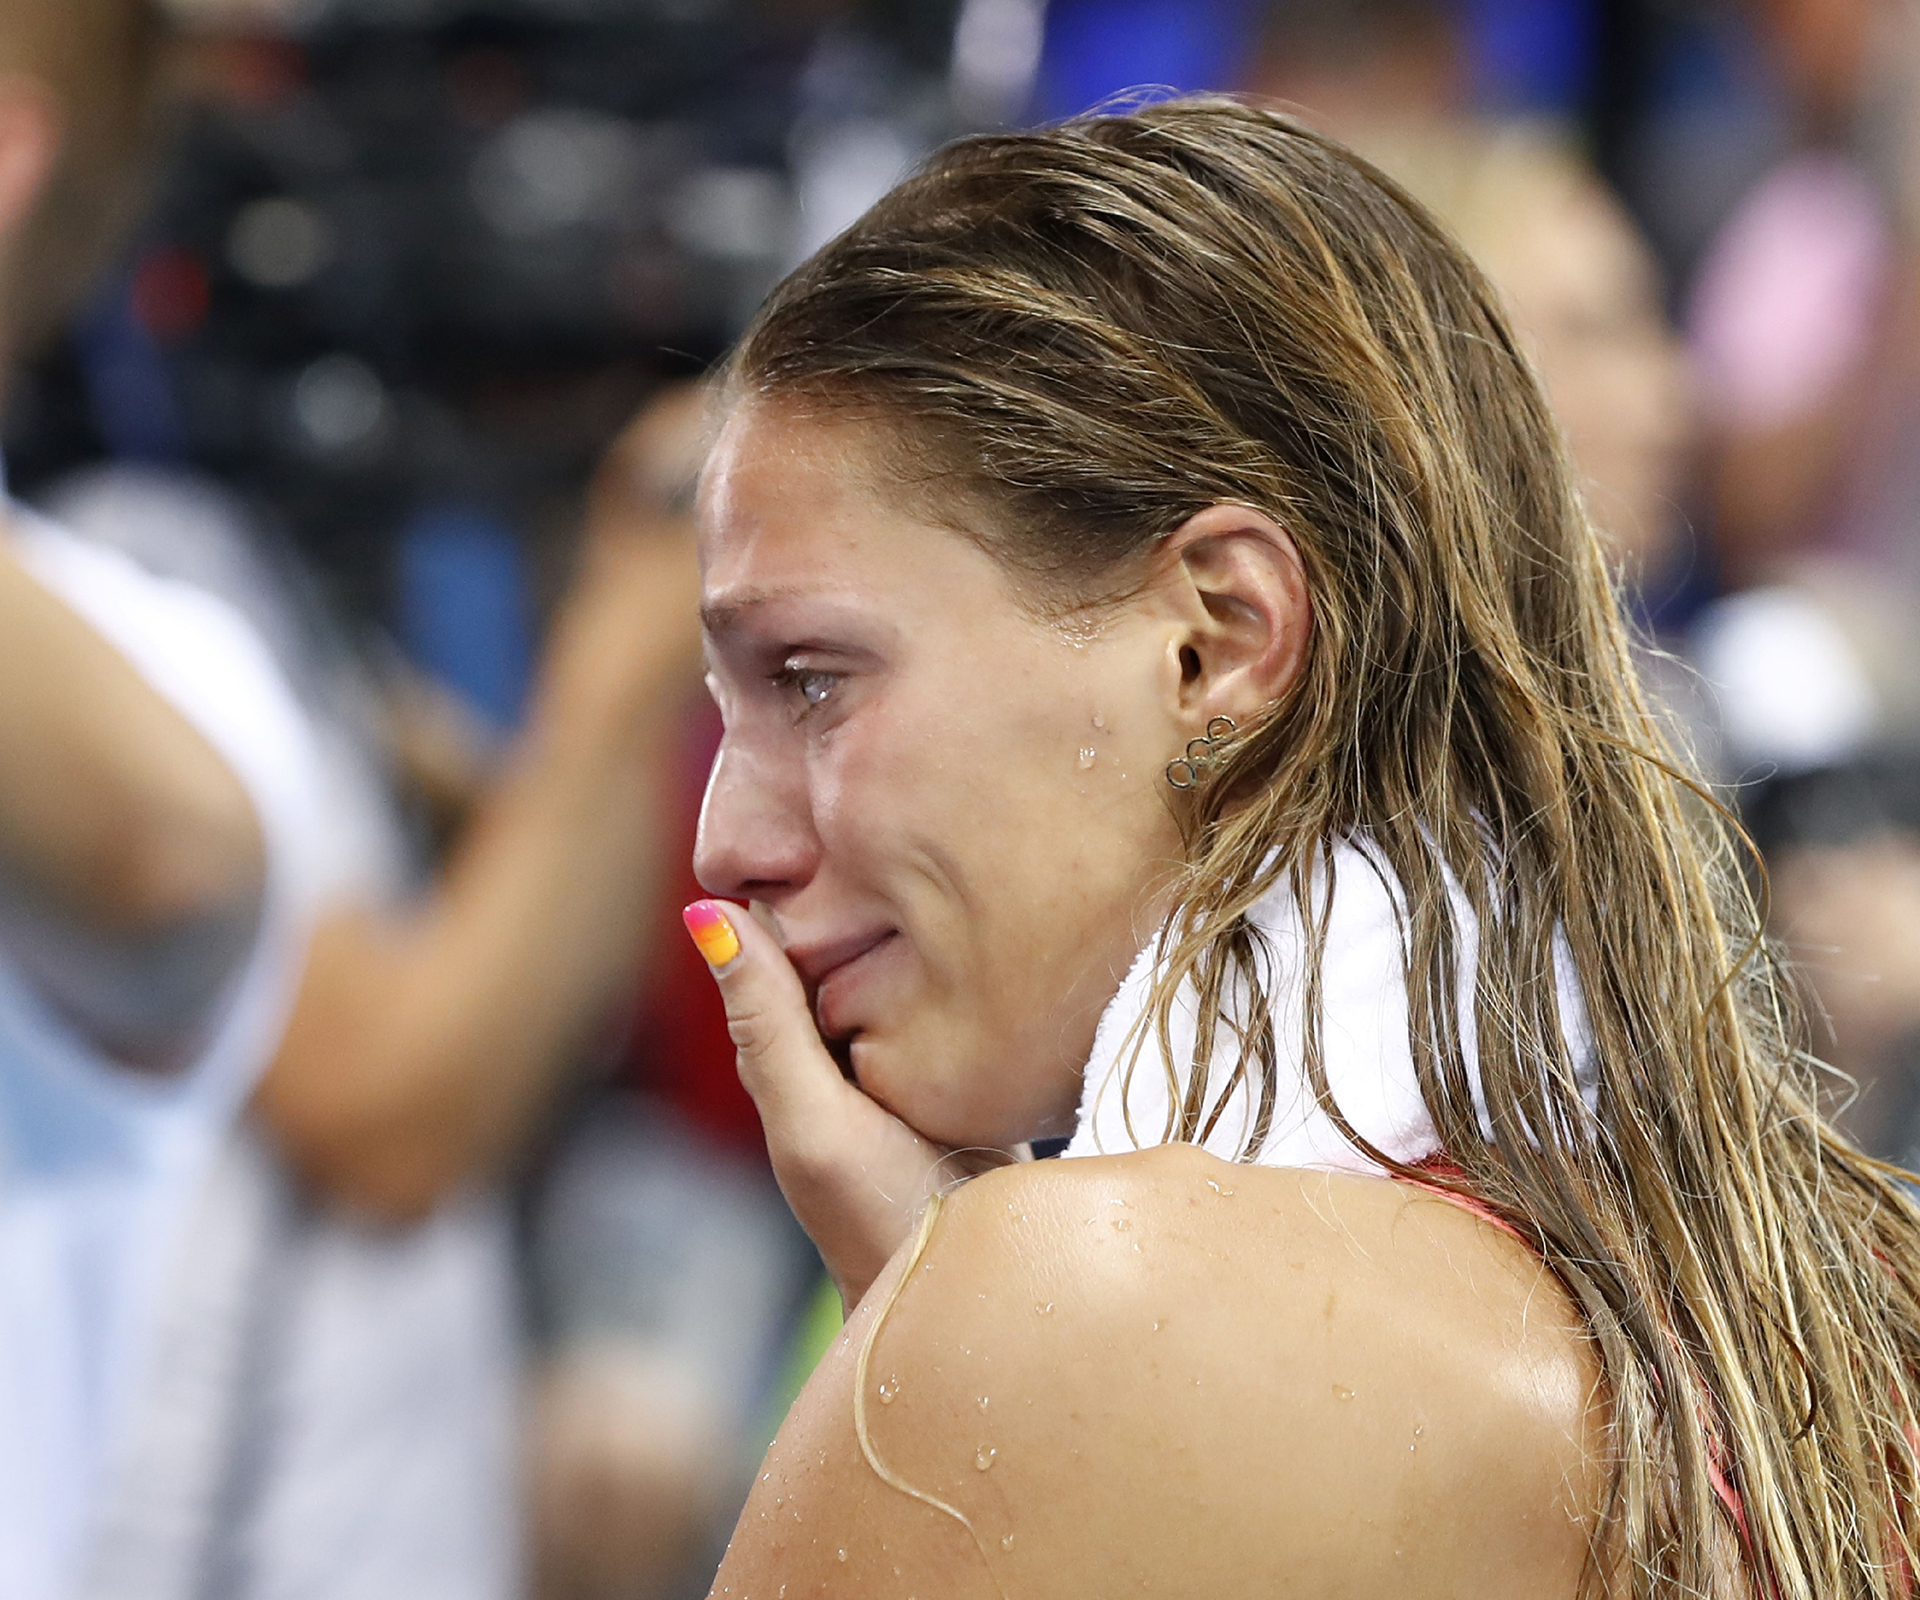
[372,366]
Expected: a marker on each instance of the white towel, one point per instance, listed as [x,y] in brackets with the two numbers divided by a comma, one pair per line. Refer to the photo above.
[1364,1042]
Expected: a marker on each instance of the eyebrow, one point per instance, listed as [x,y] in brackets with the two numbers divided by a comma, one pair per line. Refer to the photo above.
[723,615]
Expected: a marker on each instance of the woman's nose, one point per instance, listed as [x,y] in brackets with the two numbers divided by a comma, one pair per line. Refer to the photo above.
[756,838]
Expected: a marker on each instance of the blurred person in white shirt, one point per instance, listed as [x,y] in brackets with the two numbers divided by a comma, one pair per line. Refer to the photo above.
[274,1358]
[154,782]
[335,1412]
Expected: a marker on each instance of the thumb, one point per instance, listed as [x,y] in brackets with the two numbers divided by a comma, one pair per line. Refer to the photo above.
[783,1064]
[854,1173]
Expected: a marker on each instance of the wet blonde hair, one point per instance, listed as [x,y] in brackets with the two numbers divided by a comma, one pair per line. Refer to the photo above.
[1080,337]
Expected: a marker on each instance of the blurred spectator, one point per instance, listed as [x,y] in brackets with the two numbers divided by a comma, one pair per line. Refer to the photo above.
[1585,294]
[352,1318]
[1806,323]
[154,795]
[1786,307]
[408,275]
[1807,331]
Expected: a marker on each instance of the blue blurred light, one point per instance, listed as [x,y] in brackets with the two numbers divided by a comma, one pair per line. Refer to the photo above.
[464,610]
[1531,55]
[1097,48]
[128,381]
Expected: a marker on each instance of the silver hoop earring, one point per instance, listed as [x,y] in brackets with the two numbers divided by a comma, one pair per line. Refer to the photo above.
[1184,771]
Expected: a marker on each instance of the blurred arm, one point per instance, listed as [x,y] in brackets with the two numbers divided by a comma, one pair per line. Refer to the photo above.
[420,1048]
[116,815]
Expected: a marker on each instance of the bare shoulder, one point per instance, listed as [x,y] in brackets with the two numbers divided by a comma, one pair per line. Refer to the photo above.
[1159,1373]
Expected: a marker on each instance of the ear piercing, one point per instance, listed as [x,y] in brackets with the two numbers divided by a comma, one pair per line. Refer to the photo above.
[1183,772]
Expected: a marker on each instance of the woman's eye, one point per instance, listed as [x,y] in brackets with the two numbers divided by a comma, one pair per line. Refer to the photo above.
[813,687]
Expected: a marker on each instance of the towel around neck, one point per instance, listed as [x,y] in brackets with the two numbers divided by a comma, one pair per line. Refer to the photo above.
[1364,1040]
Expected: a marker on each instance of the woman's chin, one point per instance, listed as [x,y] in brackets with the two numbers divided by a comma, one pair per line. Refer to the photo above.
[947,1105]
[886,1072]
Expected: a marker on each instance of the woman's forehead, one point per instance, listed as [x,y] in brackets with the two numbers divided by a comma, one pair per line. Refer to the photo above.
[793,510]
[773,466]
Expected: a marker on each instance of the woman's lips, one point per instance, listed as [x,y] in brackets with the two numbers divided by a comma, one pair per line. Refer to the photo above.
[835,971]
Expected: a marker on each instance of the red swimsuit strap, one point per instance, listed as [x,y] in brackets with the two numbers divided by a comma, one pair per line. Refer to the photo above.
[1442,1168]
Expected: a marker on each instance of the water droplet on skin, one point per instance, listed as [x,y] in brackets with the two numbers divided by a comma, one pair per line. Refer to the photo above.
[840,1555]
[983,1457]
[1045,1310]
[1120,1224]
[1099,721]
[1007,1542]
[983,1402]
[1088,755]
[889,1387]
[1156,1324]
[1342,1392]
[1217,1189]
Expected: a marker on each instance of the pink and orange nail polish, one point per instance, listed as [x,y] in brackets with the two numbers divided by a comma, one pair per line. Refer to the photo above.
[707,921]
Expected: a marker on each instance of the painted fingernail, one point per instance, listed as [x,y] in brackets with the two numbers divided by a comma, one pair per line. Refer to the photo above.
[712,932]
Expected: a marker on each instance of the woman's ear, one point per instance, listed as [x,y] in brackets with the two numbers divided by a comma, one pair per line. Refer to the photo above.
[1246,615]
